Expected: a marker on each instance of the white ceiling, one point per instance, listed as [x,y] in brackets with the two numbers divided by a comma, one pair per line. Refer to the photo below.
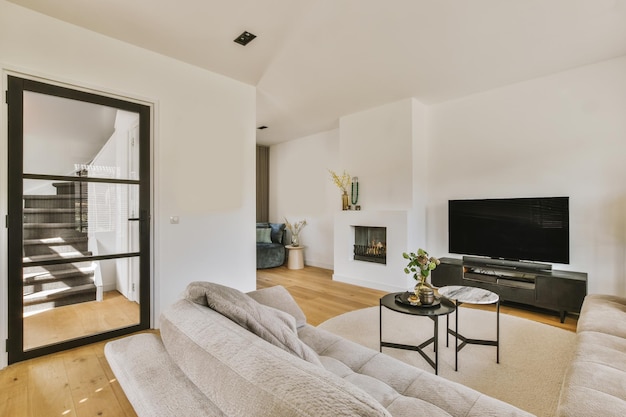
[317,60]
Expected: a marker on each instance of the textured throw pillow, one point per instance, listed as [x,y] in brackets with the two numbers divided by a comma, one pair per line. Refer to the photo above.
[264,235]
[270,324]
[278,230]
[279,298]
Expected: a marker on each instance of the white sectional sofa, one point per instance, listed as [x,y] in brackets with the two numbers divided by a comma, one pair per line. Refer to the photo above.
[265,360]
[595,382]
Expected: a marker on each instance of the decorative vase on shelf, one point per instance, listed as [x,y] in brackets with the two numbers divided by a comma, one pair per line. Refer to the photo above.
[295,239]
[344,201]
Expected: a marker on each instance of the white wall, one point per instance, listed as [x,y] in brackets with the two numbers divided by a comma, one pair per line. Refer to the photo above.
[379,146]
[301,188]
[376,146]
[386,147]
[204,145]
[563,135]
[109,204]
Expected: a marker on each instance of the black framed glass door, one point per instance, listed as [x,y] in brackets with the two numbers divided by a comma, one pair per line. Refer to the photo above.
[78,218]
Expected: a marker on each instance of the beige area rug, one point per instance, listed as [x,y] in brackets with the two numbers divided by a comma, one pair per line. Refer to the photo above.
[533,356]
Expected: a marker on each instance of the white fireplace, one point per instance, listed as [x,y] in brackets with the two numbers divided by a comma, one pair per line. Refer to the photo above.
[400,231]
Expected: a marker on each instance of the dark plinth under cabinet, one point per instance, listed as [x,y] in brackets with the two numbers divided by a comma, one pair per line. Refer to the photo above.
[561,291]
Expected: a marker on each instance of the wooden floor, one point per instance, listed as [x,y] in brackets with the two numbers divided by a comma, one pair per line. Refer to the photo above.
[79,382]
[79,320]
[317,294]
[322,298]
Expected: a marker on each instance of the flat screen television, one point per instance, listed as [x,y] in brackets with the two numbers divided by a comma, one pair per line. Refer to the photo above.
[517,229]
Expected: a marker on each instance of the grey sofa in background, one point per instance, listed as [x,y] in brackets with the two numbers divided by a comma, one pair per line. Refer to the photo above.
[270,248]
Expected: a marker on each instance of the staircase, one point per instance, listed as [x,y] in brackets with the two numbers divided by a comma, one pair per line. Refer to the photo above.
[55,228]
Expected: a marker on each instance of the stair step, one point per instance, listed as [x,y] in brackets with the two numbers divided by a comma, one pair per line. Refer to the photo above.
[51,217]
[48,197]
[84,297]
[55,245]
[54,241]
[58,293]
[50,225]
[44,275]
[72,264]
[48,233]
[50,201]
[67,188]
[37,250]
[31,210]
[54,256]
[37,285]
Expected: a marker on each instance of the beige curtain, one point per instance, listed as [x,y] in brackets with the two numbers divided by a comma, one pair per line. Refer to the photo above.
[262,183]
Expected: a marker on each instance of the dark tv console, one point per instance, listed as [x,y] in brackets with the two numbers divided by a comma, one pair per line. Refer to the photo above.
[529,284]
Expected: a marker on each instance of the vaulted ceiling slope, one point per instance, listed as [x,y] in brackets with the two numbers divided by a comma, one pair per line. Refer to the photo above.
[316,60]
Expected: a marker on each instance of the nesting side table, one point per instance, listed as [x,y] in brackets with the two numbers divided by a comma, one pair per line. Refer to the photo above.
[470,295]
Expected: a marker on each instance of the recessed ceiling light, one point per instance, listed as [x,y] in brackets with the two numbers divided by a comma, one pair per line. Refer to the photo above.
[262,127]
[245,38]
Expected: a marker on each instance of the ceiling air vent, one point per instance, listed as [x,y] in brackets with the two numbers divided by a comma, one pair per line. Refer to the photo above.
[245,38]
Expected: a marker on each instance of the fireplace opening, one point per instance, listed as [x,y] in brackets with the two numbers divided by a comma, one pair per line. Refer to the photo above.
[370,244]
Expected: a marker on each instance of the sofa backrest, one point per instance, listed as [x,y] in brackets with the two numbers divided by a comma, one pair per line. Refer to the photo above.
[278,297]
[277,231]
[247,376]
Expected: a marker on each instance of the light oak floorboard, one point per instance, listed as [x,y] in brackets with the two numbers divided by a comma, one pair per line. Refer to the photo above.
[79,320]
[322,298]
[80,383]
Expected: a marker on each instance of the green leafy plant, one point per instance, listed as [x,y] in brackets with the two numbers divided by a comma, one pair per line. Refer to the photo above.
[420,264]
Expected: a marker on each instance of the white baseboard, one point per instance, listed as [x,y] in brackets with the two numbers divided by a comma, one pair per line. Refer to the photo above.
[318,264]
[367,284]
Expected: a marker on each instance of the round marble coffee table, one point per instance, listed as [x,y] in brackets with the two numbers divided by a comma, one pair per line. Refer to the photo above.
[471,295]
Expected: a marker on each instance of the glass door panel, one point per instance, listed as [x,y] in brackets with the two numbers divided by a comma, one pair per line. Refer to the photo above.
[83,209]
[67,137]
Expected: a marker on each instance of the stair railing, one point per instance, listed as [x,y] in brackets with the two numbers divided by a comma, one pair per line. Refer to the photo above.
[82,200]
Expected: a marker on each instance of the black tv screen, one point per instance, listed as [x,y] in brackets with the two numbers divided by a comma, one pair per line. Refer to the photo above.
[530,229]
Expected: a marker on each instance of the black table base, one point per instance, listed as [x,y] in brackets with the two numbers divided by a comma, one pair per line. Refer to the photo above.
[467,341]
[432,313]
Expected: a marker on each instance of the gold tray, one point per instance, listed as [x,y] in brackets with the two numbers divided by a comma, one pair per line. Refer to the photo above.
[403,298]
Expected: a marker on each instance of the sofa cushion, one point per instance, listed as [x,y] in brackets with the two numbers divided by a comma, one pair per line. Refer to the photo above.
[275,326]
[603,313]
[400,388]
[595,382]
[593,389]
[263,235]
[278,231]
[153,383]
[279,298]
[246,376]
